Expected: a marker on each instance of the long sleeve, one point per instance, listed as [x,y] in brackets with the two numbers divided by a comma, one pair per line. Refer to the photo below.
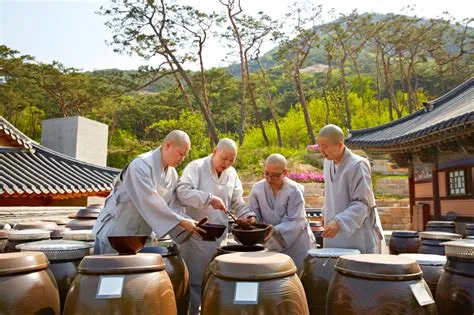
[151,206]
[187,192]
[238,204]
[294,221]
[352,218]
[254,205]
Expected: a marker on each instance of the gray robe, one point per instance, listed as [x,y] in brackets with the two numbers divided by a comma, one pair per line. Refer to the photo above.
[286,212]
[198,181]
[350,201]
[140,203]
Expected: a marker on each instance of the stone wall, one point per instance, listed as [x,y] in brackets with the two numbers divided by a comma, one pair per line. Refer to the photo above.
[397,186]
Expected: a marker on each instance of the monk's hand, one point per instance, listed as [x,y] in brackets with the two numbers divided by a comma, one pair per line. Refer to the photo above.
[190,225]
[331,230]
[251,220]
[218,204]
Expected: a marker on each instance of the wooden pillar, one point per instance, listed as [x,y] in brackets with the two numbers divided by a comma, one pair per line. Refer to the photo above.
[411,186]
[436,202]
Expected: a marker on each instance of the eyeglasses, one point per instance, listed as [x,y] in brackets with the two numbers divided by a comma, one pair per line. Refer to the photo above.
[272,176]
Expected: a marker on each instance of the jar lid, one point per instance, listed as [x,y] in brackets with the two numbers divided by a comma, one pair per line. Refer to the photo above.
[79,235]
[58,249]
[315,224]
[469,226]
[435,235]
[332,252]
[379,267]
[253,266]
[163,250]
[460,249]
[57,221]
[58,232]
[441,223]
[81,224]
[113,264]
[30,234]
[35,225]
[407,234]
[11,263]
[427,259]
[88,213]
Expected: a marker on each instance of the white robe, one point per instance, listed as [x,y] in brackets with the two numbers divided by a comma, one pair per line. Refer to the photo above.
[350,201]
[139,204]
[200,179]
[286,212]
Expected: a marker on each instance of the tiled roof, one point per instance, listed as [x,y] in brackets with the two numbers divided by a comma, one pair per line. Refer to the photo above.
[450,111]
[31,170]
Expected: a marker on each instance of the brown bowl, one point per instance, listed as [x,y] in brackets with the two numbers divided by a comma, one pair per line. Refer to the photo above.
[251,237]
[128,245]
[213,231]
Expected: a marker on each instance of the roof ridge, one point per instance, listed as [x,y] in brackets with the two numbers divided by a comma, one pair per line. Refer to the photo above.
[26,141]
[436,102]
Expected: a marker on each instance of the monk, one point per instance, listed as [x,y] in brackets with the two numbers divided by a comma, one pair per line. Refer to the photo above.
[351,219]
[279,201]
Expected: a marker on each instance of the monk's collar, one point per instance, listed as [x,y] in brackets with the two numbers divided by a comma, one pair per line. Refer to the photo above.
[345,153]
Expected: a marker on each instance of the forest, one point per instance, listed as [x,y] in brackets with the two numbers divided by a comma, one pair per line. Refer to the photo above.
[358,70]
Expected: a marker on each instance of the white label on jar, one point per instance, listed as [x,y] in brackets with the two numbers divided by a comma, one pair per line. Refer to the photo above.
[110,287]
[246,293]
[421,293]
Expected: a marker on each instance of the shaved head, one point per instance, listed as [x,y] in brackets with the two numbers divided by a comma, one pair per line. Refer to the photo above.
[226,144]
[277,160]
[333,133]
[177,137]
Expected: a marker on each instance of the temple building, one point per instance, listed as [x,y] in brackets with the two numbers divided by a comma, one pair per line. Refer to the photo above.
[34,175]
[436,143]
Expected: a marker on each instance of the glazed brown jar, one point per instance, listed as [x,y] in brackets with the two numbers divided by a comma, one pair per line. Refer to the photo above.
[64,257]
[432,242]
[121,284]
[432,267]
[253,283]
[404,242]
[455,292]
[27,285]
[316,274]
[228,249]
[16,237]
[441,226]
[468,230]
[177,271]
[379,283]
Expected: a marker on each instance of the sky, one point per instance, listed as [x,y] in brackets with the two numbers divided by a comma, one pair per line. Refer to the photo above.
[69,31]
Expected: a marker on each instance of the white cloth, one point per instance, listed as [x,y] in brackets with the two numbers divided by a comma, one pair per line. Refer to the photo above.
[350,201]
[286,212]
[200,179]
[142,202]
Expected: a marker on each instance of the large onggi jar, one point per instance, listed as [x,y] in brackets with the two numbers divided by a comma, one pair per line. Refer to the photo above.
[64,257]
[441,226]
[432,267]
[228,249]
[121,284]
[27,285]
[432,242]
[16,237]
[177,271]
[404,242]
[455,292]
[378,284]
[3,240]
[316,274]
[253,283]
[469,230]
